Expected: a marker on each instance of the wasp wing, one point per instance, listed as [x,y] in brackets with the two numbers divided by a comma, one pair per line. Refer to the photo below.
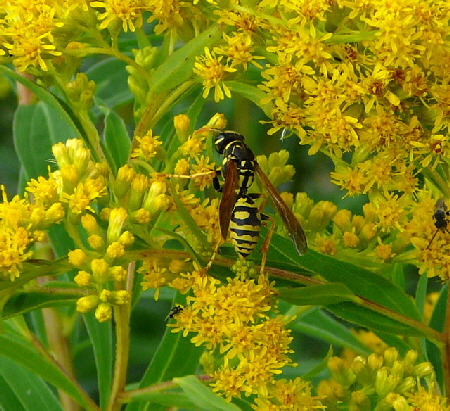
[290,221]
[231,181]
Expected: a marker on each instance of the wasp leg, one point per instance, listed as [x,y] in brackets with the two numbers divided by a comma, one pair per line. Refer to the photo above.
[216,183]
[211,260]
[186,176]
[264,217]
[266,243]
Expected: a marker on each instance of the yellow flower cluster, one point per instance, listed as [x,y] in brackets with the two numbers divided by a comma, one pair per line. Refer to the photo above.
[232,319]
[22,223]
[382,381]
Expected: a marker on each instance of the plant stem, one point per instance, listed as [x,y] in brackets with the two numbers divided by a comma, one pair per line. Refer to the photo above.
[88,403]
[59,345]
[122,320]
[446,349]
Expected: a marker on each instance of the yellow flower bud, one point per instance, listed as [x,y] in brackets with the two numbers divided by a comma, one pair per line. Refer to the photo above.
[87,303]
[118,273]
[359,401]
[37,217]
[82,279]
[120,297]
[406,385]
[96,241]
[155,199]
[70,177]
[77,257]
[351,240]
[384,252]
[125,176]
[61,154]
[81,91]
[390,356]
[217,121]
[139,186]
[340,372]
[410,358]
[99,269]
[117,220]
[342,219]
[182,167]
[115,250]
[89,223]
[385,382]
[103,312]
[423,369]
[54,213]
[182,124]
[374,361]
[105,295]
[126,238]
[140,216]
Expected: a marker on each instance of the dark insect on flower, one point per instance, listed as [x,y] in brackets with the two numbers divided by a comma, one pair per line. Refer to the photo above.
[440,216]
[237,206]
[173,312]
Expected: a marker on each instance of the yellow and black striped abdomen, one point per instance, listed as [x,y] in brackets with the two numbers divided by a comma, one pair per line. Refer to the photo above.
[245,225]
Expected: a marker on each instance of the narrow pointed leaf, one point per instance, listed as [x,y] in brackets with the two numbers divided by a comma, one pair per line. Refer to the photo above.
[331,293]
[25,388]
[202,396]
[177,68]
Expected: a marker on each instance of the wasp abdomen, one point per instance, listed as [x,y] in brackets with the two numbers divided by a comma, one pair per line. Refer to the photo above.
[245,225]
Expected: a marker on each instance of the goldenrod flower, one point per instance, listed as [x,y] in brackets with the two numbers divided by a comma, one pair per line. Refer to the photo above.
[77,257]
[129,12]
[239,50]
[292,395]
[155,275]
[147,146]
[210,69]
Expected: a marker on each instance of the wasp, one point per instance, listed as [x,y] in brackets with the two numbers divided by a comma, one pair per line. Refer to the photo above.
[245,224]
[173,312]
[440,216]
[238,212]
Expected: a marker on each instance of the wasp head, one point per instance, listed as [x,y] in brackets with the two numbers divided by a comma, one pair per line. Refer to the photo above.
[223,139]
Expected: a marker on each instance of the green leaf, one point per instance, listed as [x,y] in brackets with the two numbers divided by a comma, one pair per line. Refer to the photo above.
[320,325]
[23,389]
[421,292]
[320,367]
[331,293]
[25,301]
[111,80]
[371,319]
[363,283]
[165,399]
[202,396]
[437,321]
[62,243]
[116,138]
[36,128]
[100,335]
[8,398]
[46,97]
[251,93]
[16,348]
[177,68]
[176,356]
